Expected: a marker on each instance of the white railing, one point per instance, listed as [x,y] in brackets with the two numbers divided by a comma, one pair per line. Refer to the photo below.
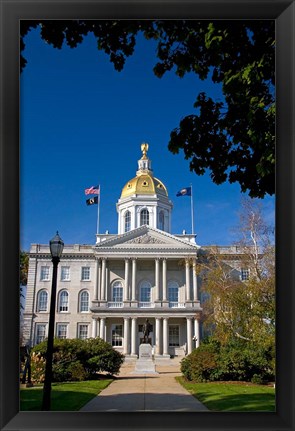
[176,305]
[146,305]
[115,304]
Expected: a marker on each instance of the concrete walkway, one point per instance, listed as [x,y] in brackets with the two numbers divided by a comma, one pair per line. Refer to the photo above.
[145,392]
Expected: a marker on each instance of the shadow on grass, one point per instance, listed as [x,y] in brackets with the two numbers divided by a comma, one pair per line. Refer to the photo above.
[62,397]
[263,402]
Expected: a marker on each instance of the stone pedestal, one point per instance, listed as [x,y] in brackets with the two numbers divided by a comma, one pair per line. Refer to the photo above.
[145,363]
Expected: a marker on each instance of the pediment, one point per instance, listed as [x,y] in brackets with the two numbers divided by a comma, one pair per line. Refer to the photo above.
[147,237]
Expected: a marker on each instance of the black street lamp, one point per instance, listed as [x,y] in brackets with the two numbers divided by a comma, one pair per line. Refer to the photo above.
[56,248]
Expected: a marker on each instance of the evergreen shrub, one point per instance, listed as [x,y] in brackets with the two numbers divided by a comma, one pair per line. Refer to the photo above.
[76,360]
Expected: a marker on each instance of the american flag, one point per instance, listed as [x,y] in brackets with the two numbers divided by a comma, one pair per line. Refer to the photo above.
[93,190]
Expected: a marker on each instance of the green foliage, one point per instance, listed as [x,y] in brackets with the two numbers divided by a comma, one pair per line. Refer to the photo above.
[75,359]
[233,138]
[24,267]
[236,361]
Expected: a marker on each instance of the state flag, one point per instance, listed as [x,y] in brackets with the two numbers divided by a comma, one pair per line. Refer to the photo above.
[92,201]
[93,190]
[186,191]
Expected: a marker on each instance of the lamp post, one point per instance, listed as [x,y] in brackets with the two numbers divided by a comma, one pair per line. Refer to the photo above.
[56,248]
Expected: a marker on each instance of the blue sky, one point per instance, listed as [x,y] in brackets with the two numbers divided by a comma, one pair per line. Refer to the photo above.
[82,124]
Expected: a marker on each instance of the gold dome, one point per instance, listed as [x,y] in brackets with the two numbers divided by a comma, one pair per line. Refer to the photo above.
[144,184]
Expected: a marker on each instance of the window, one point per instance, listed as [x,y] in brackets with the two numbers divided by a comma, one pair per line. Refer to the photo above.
[42,301]
[62,330]
[82,331]
[144,217]
[84,301]
[173,335]
[44,273]
[65,273]
[117,335]
[173,291]
[40,332]
[161,220]
[117,295]
[145,291]
[127,221]
[63,303]
[245,274]
[85,276]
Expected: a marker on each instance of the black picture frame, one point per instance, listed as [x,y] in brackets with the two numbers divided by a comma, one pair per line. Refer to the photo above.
[13,11]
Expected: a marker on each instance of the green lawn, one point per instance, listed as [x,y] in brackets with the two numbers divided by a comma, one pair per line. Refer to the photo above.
[232,397]
[69,396]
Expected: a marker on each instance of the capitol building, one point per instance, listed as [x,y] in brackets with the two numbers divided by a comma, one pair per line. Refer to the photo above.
[110,288]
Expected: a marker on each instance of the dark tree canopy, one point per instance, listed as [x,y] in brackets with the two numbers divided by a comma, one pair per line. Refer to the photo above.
[234,138]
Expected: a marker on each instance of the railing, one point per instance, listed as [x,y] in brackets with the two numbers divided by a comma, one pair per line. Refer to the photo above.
[176,305]
[146,305]
[115,304]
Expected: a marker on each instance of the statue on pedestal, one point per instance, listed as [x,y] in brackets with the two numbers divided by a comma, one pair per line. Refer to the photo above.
[147,327]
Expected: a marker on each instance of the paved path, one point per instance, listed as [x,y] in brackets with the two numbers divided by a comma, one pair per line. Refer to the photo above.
[145,392]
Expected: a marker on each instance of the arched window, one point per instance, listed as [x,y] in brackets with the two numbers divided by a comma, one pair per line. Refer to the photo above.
[173,290]
[117,292]
[42,301]
[144,217]
[127,219]
[145,291]
[63,303]
[161,220]
[84,301]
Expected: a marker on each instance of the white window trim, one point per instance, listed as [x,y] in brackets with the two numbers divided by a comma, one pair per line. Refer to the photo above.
[79,304]
[67,330]
[78,330]
[38,301]
[85,279]
[61,273]
[45,279]
[58,302]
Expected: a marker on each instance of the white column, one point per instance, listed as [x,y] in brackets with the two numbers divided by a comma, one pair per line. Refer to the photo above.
[102,328]
[94,327]
[126,336]
[158,336]
[107,293]
[103,280]
[133,335]
[165,336]
[164,279]
[133,293]
[197,332]
[187,280]
[189,335]
[195,282]
[126,293]
[96,279]
[157,278]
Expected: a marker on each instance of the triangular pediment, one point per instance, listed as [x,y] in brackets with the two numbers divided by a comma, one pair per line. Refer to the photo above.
[145,236]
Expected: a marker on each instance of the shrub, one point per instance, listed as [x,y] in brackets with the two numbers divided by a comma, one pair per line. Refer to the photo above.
[199,366]
[239,360]
[75,359]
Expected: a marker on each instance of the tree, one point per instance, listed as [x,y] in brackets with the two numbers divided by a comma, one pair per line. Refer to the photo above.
[242,310]
[233,138]
[24,267]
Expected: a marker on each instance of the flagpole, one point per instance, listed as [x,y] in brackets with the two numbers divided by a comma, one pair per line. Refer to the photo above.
[98,204]
[192,210]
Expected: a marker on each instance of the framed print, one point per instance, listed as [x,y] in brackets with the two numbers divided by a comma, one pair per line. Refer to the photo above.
[140,221]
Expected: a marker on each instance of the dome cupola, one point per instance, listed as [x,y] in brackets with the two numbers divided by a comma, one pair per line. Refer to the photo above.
[144,195]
